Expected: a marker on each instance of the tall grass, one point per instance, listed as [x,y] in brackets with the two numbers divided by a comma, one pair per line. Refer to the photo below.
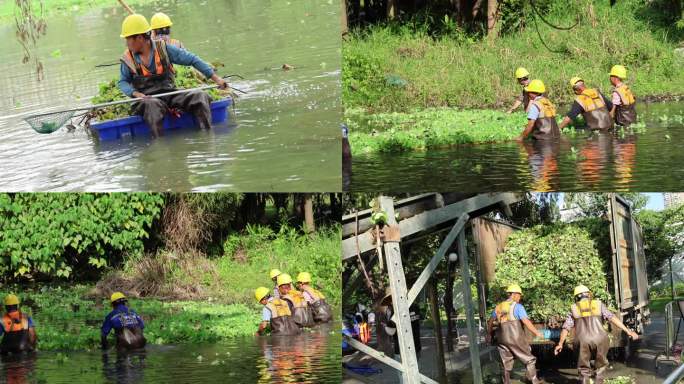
[390,68]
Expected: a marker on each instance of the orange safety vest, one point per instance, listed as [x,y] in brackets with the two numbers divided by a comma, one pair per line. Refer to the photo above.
[161,61]
[315,294]
[590,100]
[14,322]
[586,308]
[278,308]
[504,311]
[297,299]
[626,95]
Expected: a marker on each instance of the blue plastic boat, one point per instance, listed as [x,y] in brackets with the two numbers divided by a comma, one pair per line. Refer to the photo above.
[134,126]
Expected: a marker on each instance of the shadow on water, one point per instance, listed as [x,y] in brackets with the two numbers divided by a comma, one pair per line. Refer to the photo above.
[618,160]
[285,137]
[312,357]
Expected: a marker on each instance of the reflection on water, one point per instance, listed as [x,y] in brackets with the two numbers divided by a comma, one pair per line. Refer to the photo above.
[312,357]
[616,161]
[286,137]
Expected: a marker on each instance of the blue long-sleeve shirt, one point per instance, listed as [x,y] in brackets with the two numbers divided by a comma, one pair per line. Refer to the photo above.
[121,317]
[176,56]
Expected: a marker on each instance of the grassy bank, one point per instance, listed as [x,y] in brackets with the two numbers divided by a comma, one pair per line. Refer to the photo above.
[397,68]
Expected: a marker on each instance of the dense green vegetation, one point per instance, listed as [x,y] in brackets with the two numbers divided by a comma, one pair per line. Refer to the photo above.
[548,262]
[189,262]
[403,65]
[51,7]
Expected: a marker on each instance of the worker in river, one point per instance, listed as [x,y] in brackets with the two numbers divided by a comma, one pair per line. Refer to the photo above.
[161,29]
[322,313]
[623,99]
[18,332]
[276,314]
[586,316]
[274,277]
[522,76]
[147,69]
[512,342]
[541,114]
[301,312]
[127,325]
[591,104]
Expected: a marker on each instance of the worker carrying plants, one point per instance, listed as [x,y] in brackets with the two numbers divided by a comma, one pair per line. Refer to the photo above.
[512,342]
[322,313]
[522,75]
[590,339]
[301,312]
[147,69]
[127,325]
[276,314]
[18,332]
[623,110]
[161,29]
[591,104]
[541,114]
[274,277]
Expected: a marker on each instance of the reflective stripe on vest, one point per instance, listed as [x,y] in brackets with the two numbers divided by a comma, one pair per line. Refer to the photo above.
[590,100]
[278,308]
[9,323]
[161,61]
[626,95]
[586,308]
[504,311]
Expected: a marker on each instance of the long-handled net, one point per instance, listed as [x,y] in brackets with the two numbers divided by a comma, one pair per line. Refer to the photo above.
[52,121]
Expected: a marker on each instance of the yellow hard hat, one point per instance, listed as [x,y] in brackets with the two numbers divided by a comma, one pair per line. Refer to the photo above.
[304,277]
[521,72]
[619,71]
[260,293]
[274,273]
[536,86]
[580,289]
[160,20]
[574,80]
[514,288]
[134,24]
[11,300]
[284,278]
[117,296]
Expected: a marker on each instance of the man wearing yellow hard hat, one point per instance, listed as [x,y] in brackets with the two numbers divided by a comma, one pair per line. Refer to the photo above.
[586,316]
[591,104]
[512,342]
[18,332]
[301,312]
[274,277]
[276,314]
[147,69]
[127,325]
[623,110]
[541,114]
[322,313]
[161,29]
[522,76]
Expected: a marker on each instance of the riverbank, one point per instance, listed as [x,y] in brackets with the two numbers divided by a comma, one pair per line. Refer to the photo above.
[400,67]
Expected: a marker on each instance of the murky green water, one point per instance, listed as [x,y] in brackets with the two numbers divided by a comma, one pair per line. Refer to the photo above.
[286,133]
[313,357]
[617,162]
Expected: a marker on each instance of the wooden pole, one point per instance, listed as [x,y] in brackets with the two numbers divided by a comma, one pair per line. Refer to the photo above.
[473,331]
[434,312]
[129,9]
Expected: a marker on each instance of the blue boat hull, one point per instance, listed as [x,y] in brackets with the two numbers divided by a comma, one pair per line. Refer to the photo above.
[134,126]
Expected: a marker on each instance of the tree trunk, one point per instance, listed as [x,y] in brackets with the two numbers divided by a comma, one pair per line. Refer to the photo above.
[391,9]
[309,226]
[343,17]
[492,8]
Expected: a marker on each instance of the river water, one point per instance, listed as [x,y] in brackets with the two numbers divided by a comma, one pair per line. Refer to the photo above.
[285,135]
[585,162]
